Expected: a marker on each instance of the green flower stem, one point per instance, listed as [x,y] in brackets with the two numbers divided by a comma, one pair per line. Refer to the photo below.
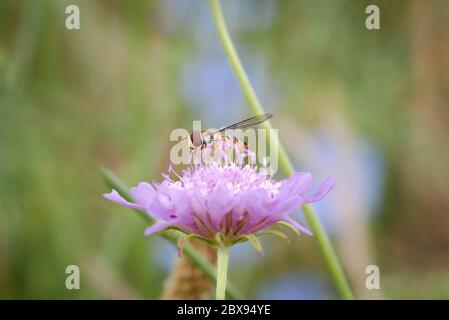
[285,164]
[222,272]
[173,236]
[328,252]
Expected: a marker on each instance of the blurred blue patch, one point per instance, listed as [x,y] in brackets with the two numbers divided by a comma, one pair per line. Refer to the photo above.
[359,169]
[244,254]
[211,90]
[302,285]
[207,81]
[162,254]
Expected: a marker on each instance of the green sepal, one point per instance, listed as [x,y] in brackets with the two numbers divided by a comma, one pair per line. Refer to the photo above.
[276,233]
[290,226]
[182,241]
[255,242]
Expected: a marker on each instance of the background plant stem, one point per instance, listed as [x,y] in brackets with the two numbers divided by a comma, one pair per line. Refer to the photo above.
[285,164]
[222,272]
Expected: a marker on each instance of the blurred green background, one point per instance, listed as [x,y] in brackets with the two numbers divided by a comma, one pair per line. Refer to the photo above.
[366,106]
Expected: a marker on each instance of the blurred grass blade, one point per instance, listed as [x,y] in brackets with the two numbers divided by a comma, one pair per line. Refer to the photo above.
[197,259]
[327,250]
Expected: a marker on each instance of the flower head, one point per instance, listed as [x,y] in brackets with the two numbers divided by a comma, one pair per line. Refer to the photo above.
[223,203]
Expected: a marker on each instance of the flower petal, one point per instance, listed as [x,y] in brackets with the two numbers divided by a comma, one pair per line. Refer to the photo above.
[115,197]
[158,226]
[181,201]
[285,205]
[157,210]
[238,207]
[323,189]
[143,192]
[219,202]
[256,202]
[298,183]
[298,226]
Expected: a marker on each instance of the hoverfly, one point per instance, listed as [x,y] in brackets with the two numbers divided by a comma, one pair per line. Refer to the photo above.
[199,140]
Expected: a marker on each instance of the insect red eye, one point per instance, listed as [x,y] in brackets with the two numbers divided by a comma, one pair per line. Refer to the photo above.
[196,138]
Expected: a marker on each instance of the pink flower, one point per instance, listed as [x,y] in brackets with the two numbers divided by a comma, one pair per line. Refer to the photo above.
[224,203]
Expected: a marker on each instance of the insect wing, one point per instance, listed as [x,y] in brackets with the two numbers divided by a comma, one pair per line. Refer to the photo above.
[250,122]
